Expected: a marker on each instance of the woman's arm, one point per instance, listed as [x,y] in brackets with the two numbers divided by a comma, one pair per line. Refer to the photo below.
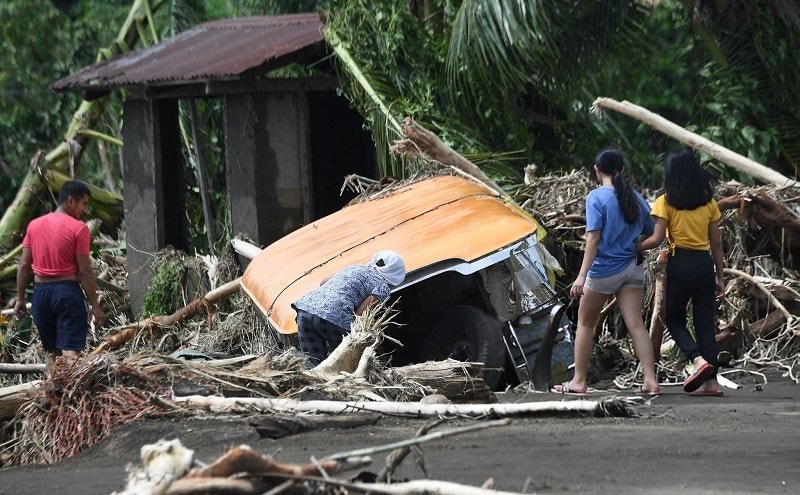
[366,303]
[592,241]
[657,237]
[715,239]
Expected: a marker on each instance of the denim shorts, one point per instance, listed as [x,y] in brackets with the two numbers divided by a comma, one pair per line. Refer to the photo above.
[60,313]
[631,276]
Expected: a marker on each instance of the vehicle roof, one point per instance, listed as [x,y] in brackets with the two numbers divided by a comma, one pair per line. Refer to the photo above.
[444,218]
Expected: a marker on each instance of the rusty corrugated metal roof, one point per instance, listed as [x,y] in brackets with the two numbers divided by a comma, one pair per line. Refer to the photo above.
[219,50]
[427,222]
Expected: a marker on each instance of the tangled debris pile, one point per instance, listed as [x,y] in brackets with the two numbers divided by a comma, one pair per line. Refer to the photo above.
[218,353]
[757,323]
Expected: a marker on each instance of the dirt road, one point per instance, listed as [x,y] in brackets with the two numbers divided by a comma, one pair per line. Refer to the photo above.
[745,442]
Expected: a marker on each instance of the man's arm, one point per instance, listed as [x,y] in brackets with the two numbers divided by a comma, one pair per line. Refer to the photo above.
[24,274]
[86,277]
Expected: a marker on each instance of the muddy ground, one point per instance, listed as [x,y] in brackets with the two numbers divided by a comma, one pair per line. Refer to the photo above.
[745,442]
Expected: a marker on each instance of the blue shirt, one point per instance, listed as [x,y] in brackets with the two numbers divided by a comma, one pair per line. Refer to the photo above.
[338,298]
[617,246]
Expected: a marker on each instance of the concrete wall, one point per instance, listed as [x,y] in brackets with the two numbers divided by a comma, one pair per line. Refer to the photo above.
[266,146]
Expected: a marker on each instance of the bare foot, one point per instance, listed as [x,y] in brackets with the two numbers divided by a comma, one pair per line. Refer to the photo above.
[650,389]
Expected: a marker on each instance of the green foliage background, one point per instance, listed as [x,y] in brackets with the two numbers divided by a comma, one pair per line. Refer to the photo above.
[504,82]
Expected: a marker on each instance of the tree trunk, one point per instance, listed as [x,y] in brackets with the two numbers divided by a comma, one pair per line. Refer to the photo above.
[12,398]
[430,144]
[248,404]
[659,123]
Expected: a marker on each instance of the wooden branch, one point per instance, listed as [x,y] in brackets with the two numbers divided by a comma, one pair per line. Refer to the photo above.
[248,404]
[419,439]
[151,324]
[22,368]
[429,143]
[658,317]
[245,248]
[243,459]
[659,123]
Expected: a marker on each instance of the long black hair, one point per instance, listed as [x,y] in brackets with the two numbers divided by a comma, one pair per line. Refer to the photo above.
[687,184]
[609,161]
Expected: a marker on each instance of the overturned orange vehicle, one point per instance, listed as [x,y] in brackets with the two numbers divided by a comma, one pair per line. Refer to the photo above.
[476,287]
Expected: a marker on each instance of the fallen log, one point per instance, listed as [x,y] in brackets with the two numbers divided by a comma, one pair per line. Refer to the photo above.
[415,409]
[243,459]
[13,397]
[22,368]
[729,157]
[768,325]
[455,380]
[152,324]
[429,143]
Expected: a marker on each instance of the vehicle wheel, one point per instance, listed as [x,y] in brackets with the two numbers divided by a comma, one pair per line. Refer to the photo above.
[468,334]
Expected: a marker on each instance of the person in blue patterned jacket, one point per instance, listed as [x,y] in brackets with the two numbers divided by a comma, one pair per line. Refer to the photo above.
[324,315]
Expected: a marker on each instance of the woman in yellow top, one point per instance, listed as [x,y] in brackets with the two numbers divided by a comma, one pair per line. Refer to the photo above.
[689,217]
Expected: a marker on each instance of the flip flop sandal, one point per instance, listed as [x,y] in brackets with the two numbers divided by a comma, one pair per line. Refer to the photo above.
[646,394]
[703,373]
[565,389]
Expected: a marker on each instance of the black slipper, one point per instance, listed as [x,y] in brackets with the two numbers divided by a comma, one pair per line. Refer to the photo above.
[703,373]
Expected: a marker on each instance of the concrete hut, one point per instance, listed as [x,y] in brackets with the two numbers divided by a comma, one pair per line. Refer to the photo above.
[288,142]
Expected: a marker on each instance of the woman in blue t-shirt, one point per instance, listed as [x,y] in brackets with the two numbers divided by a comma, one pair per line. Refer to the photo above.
[616,216]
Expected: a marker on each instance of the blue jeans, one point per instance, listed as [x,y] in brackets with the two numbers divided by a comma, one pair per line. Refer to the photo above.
[690,277]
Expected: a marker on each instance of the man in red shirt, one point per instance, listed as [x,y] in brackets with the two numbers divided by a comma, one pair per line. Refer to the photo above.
[56,252]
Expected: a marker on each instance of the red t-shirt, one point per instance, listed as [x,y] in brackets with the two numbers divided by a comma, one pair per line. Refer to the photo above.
[54,240]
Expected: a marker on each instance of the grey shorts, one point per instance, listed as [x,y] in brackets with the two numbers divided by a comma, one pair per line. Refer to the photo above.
[631,276]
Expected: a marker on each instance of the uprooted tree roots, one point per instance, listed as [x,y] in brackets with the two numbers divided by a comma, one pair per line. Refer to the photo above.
[79,405]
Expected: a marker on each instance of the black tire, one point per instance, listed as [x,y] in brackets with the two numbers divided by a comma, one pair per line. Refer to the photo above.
[466,333]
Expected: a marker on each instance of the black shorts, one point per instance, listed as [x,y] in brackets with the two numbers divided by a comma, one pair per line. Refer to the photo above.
[60,314]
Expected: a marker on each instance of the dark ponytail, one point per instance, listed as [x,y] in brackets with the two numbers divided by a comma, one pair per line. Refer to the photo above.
[609,161]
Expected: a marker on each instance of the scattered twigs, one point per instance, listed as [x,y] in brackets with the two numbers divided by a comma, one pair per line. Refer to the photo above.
[397,456]
[420,439]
